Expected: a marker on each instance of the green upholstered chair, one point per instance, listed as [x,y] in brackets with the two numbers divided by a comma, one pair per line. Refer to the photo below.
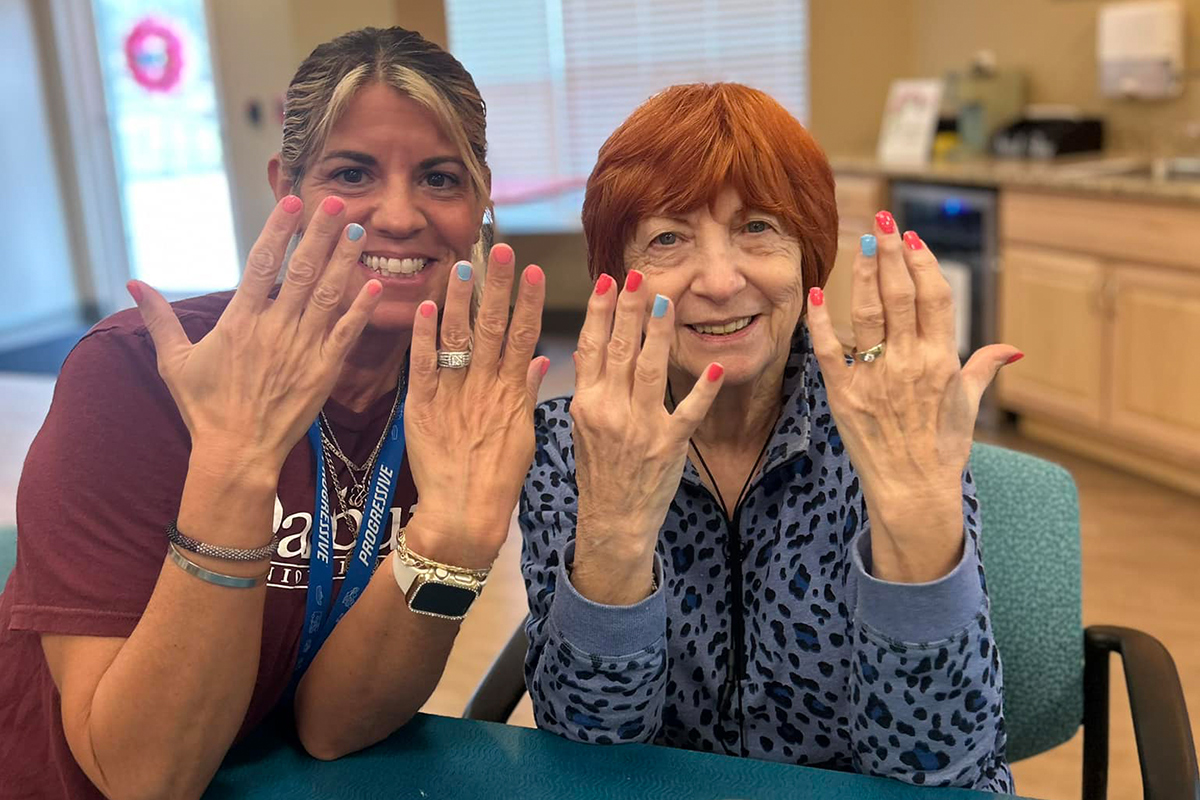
[1055,672]
[8,552]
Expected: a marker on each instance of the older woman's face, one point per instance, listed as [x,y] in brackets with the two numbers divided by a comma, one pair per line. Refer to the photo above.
[734,277]
[403,180]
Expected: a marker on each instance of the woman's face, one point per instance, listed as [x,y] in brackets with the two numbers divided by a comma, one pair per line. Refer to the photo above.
[734,277]
[404,181]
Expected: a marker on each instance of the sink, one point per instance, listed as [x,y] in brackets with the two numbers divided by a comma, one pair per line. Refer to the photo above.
[1182,168]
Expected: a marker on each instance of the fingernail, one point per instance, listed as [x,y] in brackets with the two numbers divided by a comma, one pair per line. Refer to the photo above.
[633,280]
[135,291]
[715,371]
[464,270]
[374,288]
[333,206]
[545,367]
[886,222]
[604,283]
[1014,359]
[428,309]
[912,240]
[534,275]
[292,204]
[868,244]
[354,231]
[502,253]
[816,296]
[660,306]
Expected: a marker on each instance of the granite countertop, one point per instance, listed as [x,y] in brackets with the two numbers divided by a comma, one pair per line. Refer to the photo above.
[1076,174]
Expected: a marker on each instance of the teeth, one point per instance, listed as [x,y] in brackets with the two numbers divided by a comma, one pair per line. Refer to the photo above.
[727,328]
[395,266]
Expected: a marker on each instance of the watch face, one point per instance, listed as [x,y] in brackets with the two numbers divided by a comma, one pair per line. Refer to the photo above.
[438,598]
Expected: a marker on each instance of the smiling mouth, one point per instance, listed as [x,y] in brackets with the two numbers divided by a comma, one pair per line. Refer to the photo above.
[394,266]
[724,328]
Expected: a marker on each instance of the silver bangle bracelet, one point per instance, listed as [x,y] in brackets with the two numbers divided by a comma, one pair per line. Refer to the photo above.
[186,542]
[216,578]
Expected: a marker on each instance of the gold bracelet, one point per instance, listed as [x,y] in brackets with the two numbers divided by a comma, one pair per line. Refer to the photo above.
[421,562]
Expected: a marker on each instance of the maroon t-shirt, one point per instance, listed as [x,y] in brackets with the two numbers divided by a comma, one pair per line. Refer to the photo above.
[102,480]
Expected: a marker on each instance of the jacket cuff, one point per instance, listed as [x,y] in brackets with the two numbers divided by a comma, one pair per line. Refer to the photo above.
[920,612]
[607,631]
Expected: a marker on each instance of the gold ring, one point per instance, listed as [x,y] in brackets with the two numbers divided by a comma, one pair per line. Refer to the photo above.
[867,356]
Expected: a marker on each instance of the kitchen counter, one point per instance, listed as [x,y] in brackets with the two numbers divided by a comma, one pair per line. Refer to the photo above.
[1091,175]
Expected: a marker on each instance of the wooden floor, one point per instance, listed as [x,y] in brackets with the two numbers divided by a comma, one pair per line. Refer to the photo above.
[1141,553]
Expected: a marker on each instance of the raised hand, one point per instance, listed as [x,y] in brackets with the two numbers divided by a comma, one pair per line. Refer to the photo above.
[629,450]
[469,431]
[248,390]
[907,417]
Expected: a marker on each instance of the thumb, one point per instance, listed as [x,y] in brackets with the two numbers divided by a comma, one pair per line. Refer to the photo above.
[170,341]
[534,376]
[983,366]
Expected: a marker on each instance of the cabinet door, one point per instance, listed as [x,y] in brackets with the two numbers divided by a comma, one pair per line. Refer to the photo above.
[1051,309]
[1156,369]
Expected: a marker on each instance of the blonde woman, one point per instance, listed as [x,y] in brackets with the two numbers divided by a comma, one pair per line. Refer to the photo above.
[219,510]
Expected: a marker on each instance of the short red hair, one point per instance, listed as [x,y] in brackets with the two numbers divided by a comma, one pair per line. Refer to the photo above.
[678,149]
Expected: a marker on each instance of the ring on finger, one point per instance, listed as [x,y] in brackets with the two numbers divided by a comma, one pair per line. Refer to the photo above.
[870,354]
[453,359]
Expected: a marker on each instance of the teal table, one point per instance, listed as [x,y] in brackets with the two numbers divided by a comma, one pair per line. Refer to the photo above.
[442,757]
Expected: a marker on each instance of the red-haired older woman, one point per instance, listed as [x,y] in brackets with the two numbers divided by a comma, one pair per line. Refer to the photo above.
[735,540]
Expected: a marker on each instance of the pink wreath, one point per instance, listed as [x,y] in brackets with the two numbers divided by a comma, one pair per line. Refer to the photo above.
[154,77]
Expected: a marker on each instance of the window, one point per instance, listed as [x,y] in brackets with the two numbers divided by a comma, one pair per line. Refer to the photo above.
[559,76]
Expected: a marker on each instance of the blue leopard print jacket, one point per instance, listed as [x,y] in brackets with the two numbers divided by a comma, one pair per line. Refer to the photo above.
[767,637]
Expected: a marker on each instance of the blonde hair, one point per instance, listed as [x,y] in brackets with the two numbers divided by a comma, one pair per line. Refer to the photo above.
[329,78]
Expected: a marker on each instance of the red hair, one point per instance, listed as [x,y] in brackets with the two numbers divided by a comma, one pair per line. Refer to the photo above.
[676,152]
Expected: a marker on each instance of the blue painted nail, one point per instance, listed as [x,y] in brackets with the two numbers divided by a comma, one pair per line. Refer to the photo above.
[660,306]
[464,270]
[868,244]
[354,231]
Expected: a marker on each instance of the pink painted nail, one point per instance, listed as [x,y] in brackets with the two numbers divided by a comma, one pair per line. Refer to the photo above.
[292,204]
[502,253]
[135,291]
[912,240]
[374,288]
[534,275]
[886,222]
[1014,359]
[428,309]
[715,371]
[333,206]
[545,367]
[604,283]
[816,296]
[633,280]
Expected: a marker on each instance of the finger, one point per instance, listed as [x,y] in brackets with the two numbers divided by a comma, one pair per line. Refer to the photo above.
[170,341]
[650,376]
[422,359]
[347,329]
[866,306]
[983,366]
[309,260]
[326,298]
[526,325]
[492,321]
[694,408]
[895,286]
[535,373]
[626,341]
[455,335]
[934,298]
[826,345]
[594,335]
[266,256]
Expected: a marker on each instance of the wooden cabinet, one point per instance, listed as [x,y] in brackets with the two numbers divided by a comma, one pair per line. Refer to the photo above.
[1051,309]
[1110,370]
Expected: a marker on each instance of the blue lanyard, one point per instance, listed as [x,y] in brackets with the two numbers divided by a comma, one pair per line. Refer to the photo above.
[319,619]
